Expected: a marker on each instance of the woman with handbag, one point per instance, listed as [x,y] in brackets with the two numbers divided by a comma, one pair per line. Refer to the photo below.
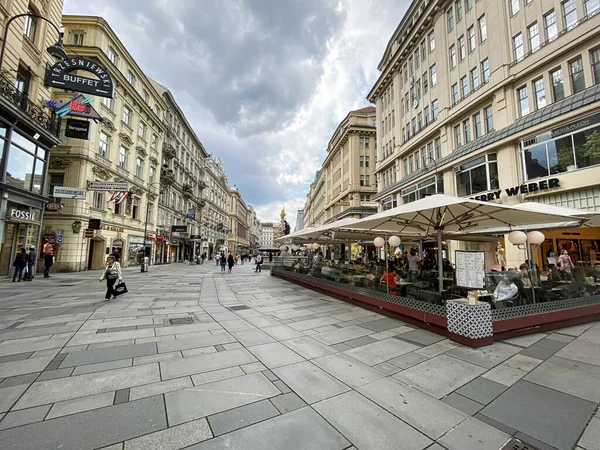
[112,274]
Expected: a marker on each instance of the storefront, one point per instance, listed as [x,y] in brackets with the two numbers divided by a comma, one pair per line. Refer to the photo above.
[135,250]
[21,230]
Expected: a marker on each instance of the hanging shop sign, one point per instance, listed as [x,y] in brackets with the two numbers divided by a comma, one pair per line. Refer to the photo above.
[526,188]
[60,76]
[78,129]
[94,224]
[114,186]
[53,206]
[19,214]
[69,192]
[78,106]
[160,238]
[179,228]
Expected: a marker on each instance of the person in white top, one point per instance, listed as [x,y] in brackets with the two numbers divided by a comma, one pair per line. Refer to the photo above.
[505,290]
[566,265]
[414,262]
[112,274]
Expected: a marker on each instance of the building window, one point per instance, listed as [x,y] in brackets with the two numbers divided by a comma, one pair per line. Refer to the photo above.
[431,39]
[489,119]
[468,5]
[153,141]
[482,29]
[474,74]
[464,87]
[30,26]
[533,35]
[550,27]
[595,60]
[130,78]
[420,120]
[478,175]
[462,53]
[430,155]
[156,110]
[145,96]
[438,148]
[423,51]
[139,167]
[77,38]
[523,101]
[450,19]
[591,6]
[98,201]
[417,59]
[112,55]
[135,209]
[434,109]
[364,142]
[477,125]
[519,51]
[108,102]
[558,87]
[151,175]
[425,83]
[577,77]
[126,115]
[569,10]
[454,93]
[122,157]
[433,75]
[459,12]
[467,130]
[103,145]
[514,7]
[367,158]
[457,137]
[485,70]
[452,56]
[427,116]
[471,39]
[142,130]
[362,160]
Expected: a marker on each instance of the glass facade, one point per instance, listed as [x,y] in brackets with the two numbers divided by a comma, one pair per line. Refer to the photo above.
[477,175]
[24,161]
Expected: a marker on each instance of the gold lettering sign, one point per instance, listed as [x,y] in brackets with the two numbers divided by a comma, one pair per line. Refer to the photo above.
[111,228]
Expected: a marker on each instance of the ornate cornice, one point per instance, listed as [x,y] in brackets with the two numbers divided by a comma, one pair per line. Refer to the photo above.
[101,173]
[141,150]
[125,138]
[108,125]
[57,163]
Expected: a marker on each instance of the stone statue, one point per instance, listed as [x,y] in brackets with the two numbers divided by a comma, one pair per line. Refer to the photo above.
[500,255]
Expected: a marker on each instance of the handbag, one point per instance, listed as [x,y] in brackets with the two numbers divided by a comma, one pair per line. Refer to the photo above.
[121,288]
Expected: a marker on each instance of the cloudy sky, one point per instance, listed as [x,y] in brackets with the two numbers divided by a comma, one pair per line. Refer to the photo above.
[264,83]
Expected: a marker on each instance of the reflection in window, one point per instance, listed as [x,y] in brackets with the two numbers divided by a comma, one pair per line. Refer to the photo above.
[558,88]
[19,168]
[38,176]
[478,175]
[569,14]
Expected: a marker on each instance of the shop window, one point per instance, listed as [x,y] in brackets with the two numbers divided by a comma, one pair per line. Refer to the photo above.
[478,175]
[423,189]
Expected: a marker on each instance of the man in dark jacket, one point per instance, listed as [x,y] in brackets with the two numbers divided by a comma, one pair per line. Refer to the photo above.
[31,263]
[19,264]
[48,262]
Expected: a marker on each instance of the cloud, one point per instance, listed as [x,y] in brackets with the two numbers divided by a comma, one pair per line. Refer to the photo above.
[264,83]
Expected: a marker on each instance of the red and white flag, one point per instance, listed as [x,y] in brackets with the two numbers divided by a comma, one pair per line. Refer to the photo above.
[118,197]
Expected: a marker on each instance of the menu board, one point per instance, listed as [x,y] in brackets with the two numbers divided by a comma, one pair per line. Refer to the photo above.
[470,269]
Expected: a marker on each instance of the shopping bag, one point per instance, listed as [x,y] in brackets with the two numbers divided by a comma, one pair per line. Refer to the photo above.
[121,288]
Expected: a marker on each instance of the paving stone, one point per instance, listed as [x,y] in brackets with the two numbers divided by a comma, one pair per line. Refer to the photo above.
[81,404]
[488,357]
[302,429]
[525,341]
[436,349]
[241,417]
[19,379]
[275,355]
[217,375]
[189,343]
[552,344]
[308,347]
[282,386]
[24,417]
[270,375]
[211,398]
[252,336]
[429,416]
[496,424]
[108,354]
[581,350]
[121,396]
[576,378]
[367,425]
[103,427]
[524,363]
[381,351]
[343,334]
[482,390]
[51,391]
[423,337]
[148,390]
[173,438]
[282,332]
[463,404]
[198,351]
[381,324]
[576,330]
[532,442]
[111,344]
[156,358]
[287,402]
[14,368]
[550,416]
[80,339]
[53,365]
[473,434]
[537,352]
[408,360]
[9,395]
[359,342]
[305,325]
[262,321]
[310,382]
[53,374]
[15,357]
[220,348]
[100,367]
[341,347]
[253,367]
[504,374]
[387,368]
[591,436]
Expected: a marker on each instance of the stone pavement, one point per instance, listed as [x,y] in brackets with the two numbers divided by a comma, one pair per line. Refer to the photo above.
[191,358]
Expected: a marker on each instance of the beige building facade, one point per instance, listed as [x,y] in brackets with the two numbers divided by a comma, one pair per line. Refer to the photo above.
[125,147]
[238,239]
[314,208]
[494,100]
[28,129]
[215,220]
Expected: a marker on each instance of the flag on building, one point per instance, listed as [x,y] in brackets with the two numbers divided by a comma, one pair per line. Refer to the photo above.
[118,197]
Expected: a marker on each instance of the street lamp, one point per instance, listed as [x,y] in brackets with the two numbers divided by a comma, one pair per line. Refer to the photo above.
[56,50]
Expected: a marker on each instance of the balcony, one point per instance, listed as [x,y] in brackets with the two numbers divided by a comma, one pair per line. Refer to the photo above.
[43,118]
[169,151]
[167,178]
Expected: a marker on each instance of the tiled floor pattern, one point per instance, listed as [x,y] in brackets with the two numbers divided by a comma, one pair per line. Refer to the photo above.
[295,370]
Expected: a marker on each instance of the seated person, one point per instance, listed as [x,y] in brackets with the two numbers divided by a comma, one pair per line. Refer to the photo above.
[554,274]
[447,266]
[390,278]
[505,290]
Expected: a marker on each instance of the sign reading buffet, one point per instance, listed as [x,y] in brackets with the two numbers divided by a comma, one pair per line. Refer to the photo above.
[525,188]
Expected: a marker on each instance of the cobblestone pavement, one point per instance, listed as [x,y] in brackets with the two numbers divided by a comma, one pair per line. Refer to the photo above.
[192,358]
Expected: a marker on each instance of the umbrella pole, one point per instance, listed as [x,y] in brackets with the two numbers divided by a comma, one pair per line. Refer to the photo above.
[439,262]
[532,271]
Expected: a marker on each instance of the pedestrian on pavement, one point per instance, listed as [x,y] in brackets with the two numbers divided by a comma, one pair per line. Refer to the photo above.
[20,264]
[230,262]
[258,260]
[203,257]
[217,260]
[48,262]
[31,263]
[112,274]
[223,262]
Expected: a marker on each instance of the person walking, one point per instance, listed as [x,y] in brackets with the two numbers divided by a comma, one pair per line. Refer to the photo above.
[31,263]
[223,262]
[112,274]
[48,262]
[20,263]
[217,259]
[566,265]
[230,261]
[258,260]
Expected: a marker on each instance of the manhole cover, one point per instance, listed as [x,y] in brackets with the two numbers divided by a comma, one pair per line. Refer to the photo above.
[238,308]
[181,321]
[515,444]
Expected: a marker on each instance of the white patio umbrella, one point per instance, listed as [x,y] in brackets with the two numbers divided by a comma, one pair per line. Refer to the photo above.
[440,212]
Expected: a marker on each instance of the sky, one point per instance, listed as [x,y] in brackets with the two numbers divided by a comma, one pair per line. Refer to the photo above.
[264,83]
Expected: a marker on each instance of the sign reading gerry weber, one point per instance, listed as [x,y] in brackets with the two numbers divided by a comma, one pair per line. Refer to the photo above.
[59,76]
